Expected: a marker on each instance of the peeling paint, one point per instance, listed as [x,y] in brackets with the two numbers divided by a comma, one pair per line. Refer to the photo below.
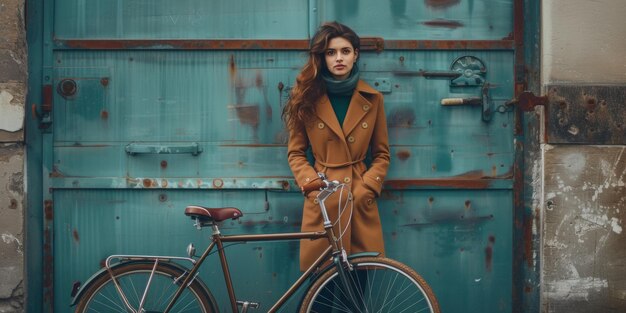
[12,117]
[10,239]
[576,288]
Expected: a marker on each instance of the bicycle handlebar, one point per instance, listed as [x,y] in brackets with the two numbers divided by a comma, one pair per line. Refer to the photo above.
[317,184]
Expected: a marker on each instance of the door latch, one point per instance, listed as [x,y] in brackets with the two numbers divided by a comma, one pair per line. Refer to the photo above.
[485,101]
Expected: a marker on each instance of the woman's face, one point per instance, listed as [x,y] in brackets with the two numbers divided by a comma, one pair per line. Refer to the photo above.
[340,57]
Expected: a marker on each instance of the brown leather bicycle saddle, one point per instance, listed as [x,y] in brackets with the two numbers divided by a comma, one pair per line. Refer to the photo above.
[214,214]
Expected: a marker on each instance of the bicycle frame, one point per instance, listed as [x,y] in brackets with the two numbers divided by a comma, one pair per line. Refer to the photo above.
[219,240]
[333,251]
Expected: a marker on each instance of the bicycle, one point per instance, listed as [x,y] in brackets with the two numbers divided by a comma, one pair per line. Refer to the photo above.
[364,282]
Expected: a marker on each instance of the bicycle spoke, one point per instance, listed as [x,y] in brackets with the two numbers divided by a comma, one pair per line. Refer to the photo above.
[378,285]
[133,279]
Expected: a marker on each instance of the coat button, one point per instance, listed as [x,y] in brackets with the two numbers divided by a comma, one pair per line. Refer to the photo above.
[364,125]
[378,178]
[370,201]
[350,139]
[316,201]
[307,179]
[320,125]
[347,180]
[366,107]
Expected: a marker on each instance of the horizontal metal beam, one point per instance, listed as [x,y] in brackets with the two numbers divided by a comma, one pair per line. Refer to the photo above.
[367,44]
[264,183]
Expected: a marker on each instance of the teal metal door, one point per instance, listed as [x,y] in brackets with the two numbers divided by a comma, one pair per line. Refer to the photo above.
[155,105]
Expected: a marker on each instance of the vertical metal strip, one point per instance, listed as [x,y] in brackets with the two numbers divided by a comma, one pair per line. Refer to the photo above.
[47,161]
[313,17]
[526,134]
[33,219]
[518,178]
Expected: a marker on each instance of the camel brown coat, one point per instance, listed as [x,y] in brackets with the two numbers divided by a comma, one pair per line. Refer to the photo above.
[339,153]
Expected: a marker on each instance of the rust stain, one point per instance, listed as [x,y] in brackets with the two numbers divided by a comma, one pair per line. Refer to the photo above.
[164,164]
[367,44]
[104,81]
[528,288]
[285,184]
[403,117]
[468,204]
[488,257]
[443,23]
[48,210]
[232,68]
[75,235]
[104,114]
[258,81]
[403,154]
[234,44]
[453,183]
[147,182]
[441,4]
[248,114]
[489,252]
[218,183]
[47,97]
[449,44]
[48,268]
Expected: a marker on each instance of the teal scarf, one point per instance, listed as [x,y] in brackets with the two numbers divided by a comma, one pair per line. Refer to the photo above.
[341,87]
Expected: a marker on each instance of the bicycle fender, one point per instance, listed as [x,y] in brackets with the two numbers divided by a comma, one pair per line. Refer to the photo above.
[350,257]
[103,271]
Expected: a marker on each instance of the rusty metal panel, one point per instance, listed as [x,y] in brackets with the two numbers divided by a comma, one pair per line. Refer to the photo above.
[584,255]
[448,193]
[180,19]
[157,105]
[586,114]
[431,19]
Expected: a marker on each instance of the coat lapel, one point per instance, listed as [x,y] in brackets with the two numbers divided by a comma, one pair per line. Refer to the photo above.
[359,107]
[326,113]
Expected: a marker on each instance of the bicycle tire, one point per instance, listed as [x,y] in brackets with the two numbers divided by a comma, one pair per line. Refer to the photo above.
[102,296]
[383,285]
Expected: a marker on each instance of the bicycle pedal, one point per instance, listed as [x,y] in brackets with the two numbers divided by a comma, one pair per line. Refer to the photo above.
[245,305]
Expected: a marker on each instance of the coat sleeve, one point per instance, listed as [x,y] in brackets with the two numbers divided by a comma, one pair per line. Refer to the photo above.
[379,145]
[302,170]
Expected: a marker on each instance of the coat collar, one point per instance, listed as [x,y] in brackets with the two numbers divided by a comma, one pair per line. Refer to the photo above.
[359,107]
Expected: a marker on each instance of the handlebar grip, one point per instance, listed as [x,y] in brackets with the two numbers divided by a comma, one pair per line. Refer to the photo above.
[314,185]
[452,101]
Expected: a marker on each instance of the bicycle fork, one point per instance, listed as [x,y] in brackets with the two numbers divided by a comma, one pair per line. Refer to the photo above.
[350,286]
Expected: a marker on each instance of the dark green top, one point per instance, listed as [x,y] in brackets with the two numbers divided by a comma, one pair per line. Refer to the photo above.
[340,105]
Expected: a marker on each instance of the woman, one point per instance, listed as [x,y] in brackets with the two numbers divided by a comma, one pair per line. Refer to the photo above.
[341,118]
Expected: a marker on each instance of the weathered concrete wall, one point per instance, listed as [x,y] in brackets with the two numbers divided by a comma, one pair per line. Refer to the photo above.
[584,156]
[583,41]
[12,97]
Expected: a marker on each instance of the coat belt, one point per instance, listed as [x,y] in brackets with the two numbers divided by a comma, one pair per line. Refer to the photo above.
[337,165]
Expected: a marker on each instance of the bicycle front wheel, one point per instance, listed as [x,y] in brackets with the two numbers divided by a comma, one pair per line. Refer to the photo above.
[103,296]
[378,285]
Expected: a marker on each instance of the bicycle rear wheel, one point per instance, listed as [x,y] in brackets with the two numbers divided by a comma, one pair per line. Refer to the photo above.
[102,295]
[379,284]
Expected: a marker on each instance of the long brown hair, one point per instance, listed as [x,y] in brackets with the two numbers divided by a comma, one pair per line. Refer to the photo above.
[310,87]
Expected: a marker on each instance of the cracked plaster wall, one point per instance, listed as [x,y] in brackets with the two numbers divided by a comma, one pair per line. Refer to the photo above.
[12,96]
[583,210]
